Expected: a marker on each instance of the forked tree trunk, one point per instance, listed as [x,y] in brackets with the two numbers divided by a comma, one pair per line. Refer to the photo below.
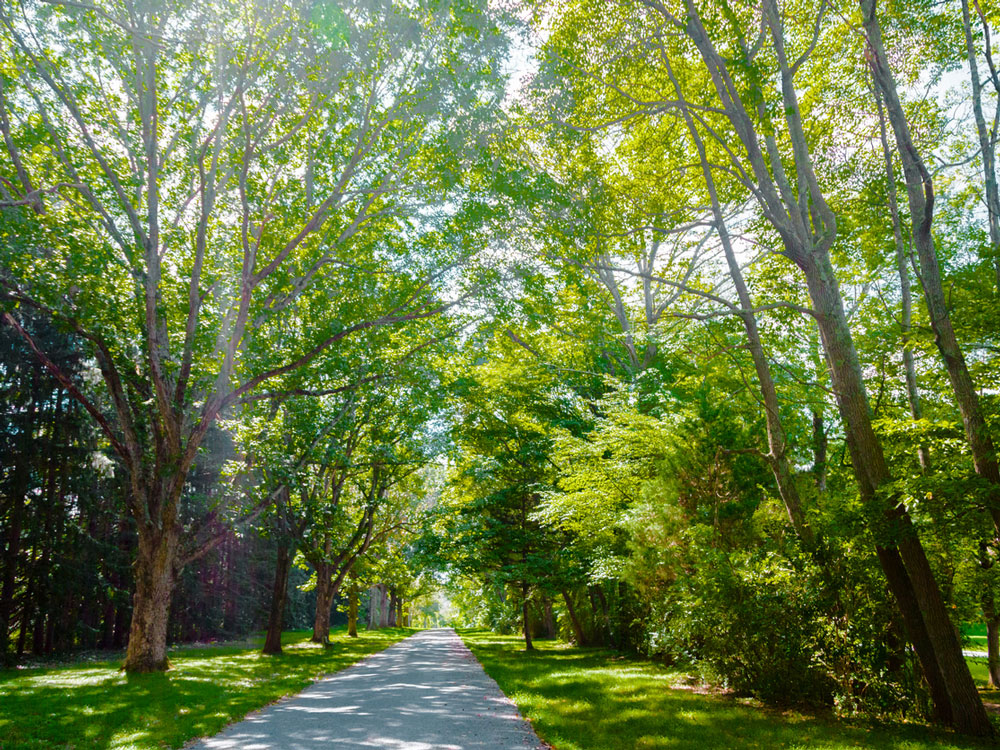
[275,620]
[808,227]
[155,577]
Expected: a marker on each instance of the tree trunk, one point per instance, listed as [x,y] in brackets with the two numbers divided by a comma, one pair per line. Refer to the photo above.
[10,557]
[155,576]
[393,607]
[966,707]
[526,621]
[777,457]
[372,607]
[610,636]
[912,583]
[107,624]
[324,602]
[548,618]
[27,605]
[275,621]
[383,605]
[920,197]
[987,148]
[993,651]
[903,270]
[352,612]
[573,619]
[991,614]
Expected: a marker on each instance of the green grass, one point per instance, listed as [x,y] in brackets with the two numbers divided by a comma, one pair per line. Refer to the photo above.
[974,637]
[96,706]
[592,699]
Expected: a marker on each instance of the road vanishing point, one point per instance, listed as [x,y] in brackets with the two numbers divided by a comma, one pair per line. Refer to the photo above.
[427,692]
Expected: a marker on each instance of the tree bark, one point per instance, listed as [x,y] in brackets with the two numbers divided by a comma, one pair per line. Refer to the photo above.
[275,621]
[324,602]
[900,553]
[966,707]
[548,618]
[993,651]
[372,607]
[393,607]
[383,602]
[155,577]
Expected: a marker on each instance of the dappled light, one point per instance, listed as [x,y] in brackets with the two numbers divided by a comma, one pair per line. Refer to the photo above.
[663,334]
[426,693]
[100,707]
[582,699]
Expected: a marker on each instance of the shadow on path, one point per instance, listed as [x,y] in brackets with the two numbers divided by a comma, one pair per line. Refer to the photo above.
[425,693]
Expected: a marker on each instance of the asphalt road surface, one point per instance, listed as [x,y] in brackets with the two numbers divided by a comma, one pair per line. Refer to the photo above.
[427,692]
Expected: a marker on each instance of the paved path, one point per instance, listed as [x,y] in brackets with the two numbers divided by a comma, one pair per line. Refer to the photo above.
[427,692]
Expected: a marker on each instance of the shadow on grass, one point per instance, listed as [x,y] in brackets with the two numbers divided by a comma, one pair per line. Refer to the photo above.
[97,706]
[592,699]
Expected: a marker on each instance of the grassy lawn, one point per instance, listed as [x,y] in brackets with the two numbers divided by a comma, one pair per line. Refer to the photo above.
[95,706]
[591,699]
[974,637]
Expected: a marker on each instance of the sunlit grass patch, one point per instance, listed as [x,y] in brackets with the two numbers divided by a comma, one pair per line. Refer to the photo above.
[97,706]
[593,699]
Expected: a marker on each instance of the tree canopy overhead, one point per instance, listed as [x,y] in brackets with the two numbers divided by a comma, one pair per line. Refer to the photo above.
[663,324]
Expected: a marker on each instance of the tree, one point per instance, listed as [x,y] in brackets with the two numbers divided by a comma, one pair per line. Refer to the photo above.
[204,176]
[770,152]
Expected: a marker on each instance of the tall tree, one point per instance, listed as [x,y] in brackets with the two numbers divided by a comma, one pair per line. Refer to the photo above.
[202,174]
